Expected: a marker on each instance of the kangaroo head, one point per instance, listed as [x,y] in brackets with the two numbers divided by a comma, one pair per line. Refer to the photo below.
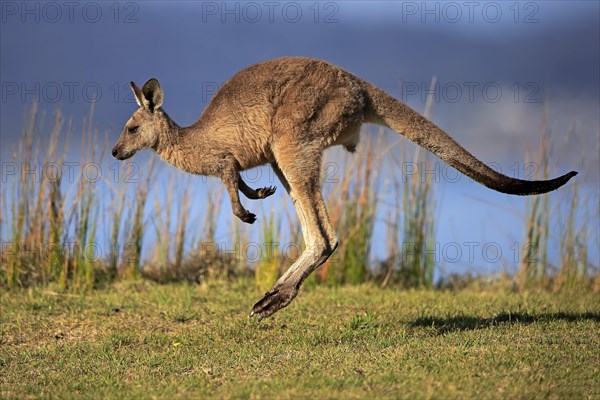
[143,129]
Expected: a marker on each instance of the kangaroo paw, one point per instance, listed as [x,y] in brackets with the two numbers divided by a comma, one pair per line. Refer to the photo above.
[247,217]
[274,300]
[265,192]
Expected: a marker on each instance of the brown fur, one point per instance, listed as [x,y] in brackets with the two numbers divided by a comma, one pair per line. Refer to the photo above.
[286,112]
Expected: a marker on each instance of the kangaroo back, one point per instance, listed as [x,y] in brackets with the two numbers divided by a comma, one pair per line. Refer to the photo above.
[387,111]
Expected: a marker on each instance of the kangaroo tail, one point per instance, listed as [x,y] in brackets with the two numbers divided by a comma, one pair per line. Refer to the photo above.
[387,111]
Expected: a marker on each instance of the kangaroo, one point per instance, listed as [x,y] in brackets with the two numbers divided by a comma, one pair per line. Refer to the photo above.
[286,112]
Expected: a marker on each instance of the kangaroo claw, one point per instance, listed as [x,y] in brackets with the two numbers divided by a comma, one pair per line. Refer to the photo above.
[266,191]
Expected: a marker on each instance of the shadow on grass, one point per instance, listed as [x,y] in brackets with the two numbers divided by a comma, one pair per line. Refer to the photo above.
[463,323]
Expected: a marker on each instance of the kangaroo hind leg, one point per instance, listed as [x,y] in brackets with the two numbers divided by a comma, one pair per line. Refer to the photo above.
[319,235]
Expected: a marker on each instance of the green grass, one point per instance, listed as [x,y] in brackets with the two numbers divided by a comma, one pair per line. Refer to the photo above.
[141,340]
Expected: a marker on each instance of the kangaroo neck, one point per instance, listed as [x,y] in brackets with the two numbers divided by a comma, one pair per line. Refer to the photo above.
[184,148]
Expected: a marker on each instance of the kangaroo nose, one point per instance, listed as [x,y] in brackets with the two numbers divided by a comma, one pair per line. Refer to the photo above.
[115,152]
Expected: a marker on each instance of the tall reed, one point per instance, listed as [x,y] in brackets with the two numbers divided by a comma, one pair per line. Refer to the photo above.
[132,252]
[79,271]
[575,232]
[534,260]
[569,213]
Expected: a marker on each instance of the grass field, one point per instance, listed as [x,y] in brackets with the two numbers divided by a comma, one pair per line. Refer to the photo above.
[142,340]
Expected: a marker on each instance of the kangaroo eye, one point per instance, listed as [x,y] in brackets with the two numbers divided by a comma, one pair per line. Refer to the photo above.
[133,129]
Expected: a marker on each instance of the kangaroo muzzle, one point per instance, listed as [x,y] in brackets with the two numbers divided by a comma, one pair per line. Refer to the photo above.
[119,154]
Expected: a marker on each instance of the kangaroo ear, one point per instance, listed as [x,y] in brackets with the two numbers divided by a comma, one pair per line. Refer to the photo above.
[137,93]
[152,95]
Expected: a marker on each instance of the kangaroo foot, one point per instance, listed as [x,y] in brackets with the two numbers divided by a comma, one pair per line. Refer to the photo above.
[274,300]
[265,192]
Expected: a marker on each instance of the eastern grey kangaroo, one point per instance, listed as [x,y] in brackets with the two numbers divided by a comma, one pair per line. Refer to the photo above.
[286,112]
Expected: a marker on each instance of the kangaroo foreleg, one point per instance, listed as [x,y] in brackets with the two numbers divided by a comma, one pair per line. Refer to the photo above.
[231,179]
